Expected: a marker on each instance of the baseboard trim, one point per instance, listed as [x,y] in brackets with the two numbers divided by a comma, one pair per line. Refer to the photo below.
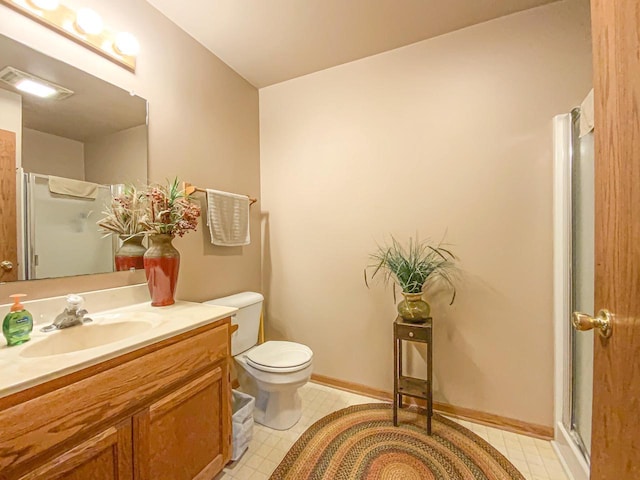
[504,423]
[489,419]
[351,387]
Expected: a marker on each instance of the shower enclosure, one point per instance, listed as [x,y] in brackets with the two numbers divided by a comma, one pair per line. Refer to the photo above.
[61,237]
[574,264]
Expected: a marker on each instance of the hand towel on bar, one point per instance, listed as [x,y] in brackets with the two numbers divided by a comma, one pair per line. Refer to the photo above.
[73,188]
[228,218]
[587,118]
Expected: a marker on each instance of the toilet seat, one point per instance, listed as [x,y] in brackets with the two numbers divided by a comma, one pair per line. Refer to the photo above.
[279,357]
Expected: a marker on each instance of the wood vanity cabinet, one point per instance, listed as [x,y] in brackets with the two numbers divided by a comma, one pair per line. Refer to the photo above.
[179,436]
[162,412]
[105,456]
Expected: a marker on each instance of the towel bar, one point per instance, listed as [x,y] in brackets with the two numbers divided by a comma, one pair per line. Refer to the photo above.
[189,189]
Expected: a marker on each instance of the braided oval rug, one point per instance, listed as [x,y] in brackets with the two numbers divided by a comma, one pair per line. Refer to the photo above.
[360,442]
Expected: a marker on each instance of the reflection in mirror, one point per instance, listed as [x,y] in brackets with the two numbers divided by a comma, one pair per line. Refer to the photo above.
[61,156]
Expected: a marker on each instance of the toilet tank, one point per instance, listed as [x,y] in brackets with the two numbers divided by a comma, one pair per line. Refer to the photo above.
[249,305]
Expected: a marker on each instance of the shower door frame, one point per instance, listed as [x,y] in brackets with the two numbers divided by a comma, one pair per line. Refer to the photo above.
[569,448]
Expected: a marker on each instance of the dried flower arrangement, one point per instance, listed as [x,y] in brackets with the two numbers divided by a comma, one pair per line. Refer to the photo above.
[169,210]
[123,214]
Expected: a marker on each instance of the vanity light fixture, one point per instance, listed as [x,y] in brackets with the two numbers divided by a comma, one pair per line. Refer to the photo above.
[84,26]
[25,82]
[126,44]
[48,5]
[88,22]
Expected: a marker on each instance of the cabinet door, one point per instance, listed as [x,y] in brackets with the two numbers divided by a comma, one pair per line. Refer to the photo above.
[107,456]
[186,434]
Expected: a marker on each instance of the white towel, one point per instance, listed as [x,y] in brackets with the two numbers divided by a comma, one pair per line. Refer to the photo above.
[228,218]
[73,188]
[587,117]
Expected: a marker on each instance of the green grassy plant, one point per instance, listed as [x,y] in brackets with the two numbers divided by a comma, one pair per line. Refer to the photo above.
[413,267]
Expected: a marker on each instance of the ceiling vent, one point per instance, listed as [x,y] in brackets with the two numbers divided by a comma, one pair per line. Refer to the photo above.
[25,82]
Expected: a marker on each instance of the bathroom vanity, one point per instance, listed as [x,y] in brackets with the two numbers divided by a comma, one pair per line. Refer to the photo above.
[154,405]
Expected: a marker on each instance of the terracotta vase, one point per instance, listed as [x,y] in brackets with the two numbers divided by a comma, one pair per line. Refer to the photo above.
[161,265]
[129,255]
[413,308]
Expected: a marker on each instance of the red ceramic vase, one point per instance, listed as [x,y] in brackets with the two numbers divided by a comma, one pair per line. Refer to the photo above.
[161,265]
[130,254]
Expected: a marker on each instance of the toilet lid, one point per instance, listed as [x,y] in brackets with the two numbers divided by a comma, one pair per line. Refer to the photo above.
[276,356]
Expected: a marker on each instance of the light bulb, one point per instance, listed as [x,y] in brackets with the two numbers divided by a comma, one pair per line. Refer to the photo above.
[35,88]
[126,44]
[88,22]
[48,5]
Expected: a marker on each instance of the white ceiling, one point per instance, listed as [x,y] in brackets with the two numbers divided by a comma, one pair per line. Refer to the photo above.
[96,109]
[269,41]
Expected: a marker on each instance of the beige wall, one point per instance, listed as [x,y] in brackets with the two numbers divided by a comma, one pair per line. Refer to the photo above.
[453,135]
[52,155]
[117,158]
[203,127]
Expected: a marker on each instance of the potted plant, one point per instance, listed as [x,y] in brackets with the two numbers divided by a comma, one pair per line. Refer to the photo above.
[169,211]
[412,268]
[122,217]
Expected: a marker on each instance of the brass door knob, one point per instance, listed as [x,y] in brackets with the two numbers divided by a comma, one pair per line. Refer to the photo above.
[6,265]
[602,322]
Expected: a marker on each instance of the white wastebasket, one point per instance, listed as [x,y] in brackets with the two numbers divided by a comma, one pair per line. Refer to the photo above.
[242,423]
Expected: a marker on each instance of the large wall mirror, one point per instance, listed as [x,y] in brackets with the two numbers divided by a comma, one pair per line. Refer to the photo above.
[62,157]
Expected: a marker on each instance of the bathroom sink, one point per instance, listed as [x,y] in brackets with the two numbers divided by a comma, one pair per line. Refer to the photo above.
[105,329]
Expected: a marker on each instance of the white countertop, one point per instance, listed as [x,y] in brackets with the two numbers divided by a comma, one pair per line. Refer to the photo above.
[19,372]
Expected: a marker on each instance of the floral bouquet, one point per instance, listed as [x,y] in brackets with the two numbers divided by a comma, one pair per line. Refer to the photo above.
[169,210]
[123,214]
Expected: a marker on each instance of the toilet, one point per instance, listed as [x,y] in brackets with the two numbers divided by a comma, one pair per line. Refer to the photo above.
[271,372]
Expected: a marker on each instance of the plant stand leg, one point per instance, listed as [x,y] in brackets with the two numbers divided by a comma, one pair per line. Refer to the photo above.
[429,379]
[395,380]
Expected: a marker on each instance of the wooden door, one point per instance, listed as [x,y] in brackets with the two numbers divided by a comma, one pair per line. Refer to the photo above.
[106,456]
[8,225]
[183,435]
[615,447]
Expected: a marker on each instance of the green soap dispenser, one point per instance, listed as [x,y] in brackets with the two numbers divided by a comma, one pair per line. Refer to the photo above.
[18,323]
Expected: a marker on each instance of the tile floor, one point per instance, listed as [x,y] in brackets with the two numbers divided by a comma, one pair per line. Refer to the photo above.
[536,459]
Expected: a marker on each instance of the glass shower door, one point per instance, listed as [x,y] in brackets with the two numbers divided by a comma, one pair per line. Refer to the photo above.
[62,236]
[582,283]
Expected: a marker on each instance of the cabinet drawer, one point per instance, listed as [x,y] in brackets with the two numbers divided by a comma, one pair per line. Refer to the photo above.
[413,333]
[73,411]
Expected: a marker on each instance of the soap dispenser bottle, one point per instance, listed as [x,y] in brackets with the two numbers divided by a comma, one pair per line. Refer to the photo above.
[18,323]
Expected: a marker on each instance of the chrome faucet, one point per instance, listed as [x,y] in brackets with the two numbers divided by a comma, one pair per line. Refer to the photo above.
[72,315]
